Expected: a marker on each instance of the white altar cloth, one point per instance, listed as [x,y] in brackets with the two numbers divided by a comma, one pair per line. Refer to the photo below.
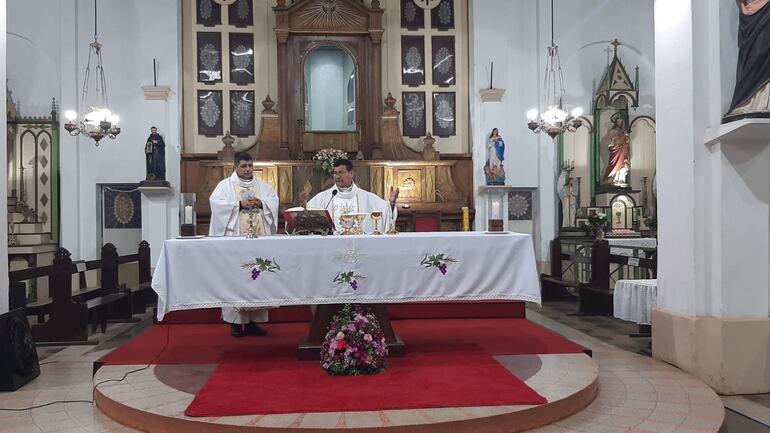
[617,244]
[635,299]
[222,271]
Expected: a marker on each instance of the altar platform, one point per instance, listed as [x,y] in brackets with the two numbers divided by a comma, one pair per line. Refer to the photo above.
[455,379]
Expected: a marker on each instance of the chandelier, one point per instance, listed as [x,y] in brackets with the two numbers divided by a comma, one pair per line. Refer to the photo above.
[554,120]
[99,121]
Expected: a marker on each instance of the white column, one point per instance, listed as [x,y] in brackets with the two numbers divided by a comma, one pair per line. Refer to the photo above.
[714,205]
[4,177]
[156,213]
[69,146]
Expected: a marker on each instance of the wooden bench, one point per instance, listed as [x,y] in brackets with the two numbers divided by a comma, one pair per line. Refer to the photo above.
[596,296]
[554,285]
[71,312]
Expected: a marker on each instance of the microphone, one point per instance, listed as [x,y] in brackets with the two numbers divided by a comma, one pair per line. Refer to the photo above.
[334,192]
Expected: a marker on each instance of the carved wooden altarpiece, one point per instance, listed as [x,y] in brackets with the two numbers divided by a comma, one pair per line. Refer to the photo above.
[346,24]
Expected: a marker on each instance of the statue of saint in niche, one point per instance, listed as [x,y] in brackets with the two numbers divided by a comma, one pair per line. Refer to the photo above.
[618,142]
[751,97]
[493,169]
[155,154]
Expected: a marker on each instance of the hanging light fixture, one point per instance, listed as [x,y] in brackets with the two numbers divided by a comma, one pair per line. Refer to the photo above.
[555,120]
[99,121]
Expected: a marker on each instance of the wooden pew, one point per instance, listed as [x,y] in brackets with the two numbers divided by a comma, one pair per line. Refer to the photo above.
[70,312]
[596,296]
[554,285]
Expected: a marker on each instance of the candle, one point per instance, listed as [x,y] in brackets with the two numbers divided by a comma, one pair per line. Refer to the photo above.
[496,210]
[466,219]
[188,215]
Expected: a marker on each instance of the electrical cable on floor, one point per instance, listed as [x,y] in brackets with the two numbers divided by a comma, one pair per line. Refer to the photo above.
[93,391]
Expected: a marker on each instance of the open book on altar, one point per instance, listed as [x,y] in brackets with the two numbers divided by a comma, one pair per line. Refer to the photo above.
[302,221]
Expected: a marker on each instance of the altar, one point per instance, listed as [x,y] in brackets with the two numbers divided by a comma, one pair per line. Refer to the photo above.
[274,271]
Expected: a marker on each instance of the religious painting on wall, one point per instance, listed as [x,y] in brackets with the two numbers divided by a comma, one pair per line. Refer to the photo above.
[412,16]
[209,57]
[519,205]
[444,124]
[443,48]
[239,14]
[122,207]
[241,58]
[210,113]
[208,12]
[242,113]
[414,114]
[412,60]
[442,17]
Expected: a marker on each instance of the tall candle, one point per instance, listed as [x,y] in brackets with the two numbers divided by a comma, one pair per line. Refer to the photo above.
[466,219]
[188,215]
[495,210]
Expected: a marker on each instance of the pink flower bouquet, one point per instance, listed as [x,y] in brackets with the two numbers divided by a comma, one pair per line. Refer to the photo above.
[354,343]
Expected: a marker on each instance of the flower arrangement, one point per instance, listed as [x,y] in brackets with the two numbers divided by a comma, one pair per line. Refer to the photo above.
[326,158]
[652,223]
[598,224]
[354,344]
[599,221]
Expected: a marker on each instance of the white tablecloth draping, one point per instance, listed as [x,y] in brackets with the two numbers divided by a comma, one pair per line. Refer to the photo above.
[616,245]
[294,270]
[635,299]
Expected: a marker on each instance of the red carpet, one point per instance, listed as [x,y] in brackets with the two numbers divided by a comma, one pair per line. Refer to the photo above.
[205,344]
[455,377]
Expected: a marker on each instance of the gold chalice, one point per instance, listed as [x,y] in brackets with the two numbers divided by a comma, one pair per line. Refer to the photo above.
[347,221]
[376,218]
[360,218]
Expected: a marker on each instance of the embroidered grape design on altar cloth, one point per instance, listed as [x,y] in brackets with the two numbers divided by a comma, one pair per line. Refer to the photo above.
[260,265]
[439,261]
[349,277]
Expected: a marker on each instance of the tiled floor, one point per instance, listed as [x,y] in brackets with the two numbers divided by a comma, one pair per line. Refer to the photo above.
[627,383]
[609,330]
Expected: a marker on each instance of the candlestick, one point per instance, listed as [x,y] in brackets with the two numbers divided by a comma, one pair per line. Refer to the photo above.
[466,219]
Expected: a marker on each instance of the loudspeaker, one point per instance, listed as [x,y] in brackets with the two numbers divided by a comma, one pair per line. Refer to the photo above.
[17,295]
[18,357]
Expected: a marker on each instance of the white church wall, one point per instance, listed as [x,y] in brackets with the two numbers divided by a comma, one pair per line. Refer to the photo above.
[33,50]
[133,32]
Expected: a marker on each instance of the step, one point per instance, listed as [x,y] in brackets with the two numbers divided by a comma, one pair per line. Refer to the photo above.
[28,228]
[33,238]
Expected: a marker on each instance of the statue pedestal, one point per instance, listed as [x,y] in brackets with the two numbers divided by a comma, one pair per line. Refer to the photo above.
[157,224]
[497,206]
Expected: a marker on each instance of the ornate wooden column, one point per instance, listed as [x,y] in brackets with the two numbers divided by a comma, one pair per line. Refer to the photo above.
[282,36]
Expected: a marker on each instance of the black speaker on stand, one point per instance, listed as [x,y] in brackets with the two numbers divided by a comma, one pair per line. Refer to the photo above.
[18,356]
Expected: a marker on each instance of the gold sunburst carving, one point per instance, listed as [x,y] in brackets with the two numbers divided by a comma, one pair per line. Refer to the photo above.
[328,14]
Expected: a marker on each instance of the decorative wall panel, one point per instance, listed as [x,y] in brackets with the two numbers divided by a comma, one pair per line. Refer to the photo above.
[412,60]
[209,112]
[444,114]
[241,58]
[413,114]
[242,113]
[443,56]
[209,57]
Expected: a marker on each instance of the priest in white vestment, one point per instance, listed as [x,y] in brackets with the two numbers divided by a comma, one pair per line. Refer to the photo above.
[346,197]
[237,203]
